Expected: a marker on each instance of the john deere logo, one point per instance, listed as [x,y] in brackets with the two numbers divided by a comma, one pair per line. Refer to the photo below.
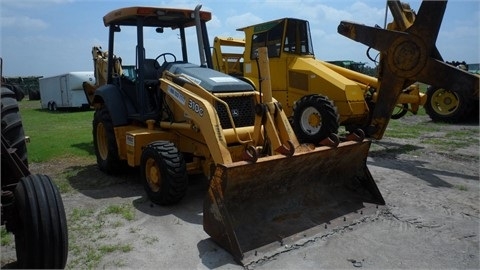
[235,113]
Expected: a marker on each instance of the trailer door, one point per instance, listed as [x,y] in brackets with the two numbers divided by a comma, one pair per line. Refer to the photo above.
[64,91]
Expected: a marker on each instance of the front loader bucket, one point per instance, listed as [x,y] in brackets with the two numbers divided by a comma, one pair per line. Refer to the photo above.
[255,210]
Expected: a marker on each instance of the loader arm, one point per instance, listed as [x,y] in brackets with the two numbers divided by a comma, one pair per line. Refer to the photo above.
[270,117]
[203,115]
[406,57]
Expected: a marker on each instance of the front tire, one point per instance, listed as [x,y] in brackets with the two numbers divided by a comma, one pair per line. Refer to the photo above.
[314,118]
[104,142]
[164,173]
[447,106]
[41,237]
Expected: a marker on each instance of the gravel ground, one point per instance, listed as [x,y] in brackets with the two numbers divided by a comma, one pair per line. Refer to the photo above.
[431,219]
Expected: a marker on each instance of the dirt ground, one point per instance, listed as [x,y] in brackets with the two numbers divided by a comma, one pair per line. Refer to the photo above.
[431,219]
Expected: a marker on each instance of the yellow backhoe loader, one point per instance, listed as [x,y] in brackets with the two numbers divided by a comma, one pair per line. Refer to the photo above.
[265,189]
[319,96]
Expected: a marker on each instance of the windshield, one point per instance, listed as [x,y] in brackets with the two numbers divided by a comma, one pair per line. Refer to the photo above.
[297,38]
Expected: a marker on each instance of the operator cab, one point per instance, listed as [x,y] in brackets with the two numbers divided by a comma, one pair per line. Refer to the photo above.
[287,35]
[141,89]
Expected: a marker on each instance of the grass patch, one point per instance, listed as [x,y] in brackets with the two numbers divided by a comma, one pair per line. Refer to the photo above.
[124,210]
[112,248]
[446,144]
[401,130]
[462,134]
[56,134]
[7,238]
[453,139]
[461,187]
[100,226]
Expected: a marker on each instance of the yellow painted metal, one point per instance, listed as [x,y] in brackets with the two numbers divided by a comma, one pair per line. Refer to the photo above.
[444,101]
[102,144]
[297,75]
[137,139]
[153,175]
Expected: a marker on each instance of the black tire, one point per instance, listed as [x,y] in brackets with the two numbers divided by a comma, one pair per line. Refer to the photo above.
[104,142]
[41,236]
[12,131]
[447,106]
[164,173]
[17,90]
[475,113]
[324,122]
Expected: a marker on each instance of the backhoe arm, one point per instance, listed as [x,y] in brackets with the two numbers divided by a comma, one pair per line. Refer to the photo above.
[100,67]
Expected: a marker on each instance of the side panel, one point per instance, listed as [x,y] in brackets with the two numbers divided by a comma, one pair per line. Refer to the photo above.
[310,76]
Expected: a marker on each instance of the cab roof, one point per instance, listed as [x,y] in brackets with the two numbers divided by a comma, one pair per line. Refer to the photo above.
[265,26]
[154,16]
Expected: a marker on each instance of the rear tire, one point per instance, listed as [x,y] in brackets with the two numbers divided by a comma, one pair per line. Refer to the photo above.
[104,142]
[164,173]
[314,118]
[447,106]
[41,237]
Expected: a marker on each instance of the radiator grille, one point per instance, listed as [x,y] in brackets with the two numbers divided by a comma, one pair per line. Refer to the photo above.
[241,108]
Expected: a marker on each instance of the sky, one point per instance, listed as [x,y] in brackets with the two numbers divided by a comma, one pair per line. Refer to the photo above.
[52,37]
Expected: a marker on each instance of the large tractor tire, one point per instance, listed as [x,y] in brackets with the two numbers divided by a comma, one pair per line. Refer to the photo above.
[104,142]
[16,90]
[314,119]
[447,106]
[12,131]
[164,172]
[41,236]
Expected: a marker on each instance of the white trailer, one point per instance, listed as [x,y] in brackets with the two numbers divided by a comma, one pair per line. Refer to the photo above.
[65,90]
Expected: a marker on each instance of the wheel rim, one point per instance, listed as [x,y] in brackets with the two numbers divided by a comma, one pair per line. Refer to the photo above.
[152,175]
[444,102]
[311,121]
[102,141]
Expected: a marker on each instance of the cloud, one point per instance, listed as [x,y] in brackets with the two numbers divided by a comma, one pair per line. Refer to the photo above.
[31,3]
[23,22]
[242,20]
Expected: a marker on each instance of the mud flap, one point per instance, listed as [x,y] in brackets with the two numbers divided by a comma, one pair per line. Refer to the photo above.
[254,210]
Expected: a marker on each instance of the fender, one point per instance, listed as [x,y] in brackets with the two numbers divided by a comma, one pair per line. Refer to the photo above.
[112,97]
